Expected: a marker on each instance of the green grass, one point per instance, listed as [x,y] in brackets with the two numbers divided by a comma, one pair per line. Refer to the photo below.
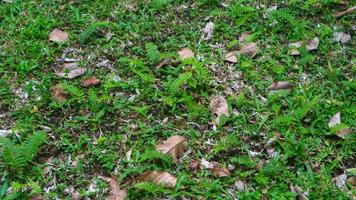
[97,126]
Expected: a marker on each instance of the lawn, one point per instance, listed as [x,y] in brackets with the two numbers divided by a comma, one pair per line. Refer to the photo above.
[177,99]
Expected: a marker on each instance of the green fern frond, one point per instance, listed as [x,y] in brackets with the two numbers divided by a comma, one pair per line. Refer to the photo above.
[227,143]
[155,155]
[74,92]
[89,32]
[152,53]
[150,187]
[17,157]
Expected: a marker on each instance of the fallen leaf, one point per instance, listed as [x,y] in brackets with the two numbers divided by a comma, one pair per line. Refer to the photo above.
[37,197]
[341,37]
[221,171]
[115,192]
[231,56]
[243,36]
[301,194]
[4,133]
[313,44]
[206,164]
[186,53]
[160,178]
[91,81]
[259,165]
[310,46]
[58,36]
[59,94]
[281,85]
[351,180]
[335,120]
[174,146]
[71,70]
[194,164]
[239,185]
[249,49]
[208,31]
[219,106]
[340,180]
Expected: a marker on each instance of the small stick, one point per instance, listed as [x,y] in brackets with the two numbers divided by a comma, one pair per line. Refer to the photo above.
[348,11]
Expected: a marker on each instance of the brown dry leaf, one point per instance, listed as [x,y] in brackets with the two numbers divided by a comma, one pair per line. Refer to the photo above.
[186,53]
[281,85]
[59,94]
[243,36]
[194,164]
[174,146]
[160,178]
[221,171]
[302,195]
[71,70]
[336,120]
[250,49]
[115,192]
[231,56]
[345,12]
[313,44]
[208,31]
[91,81]
[341,37]
[58,36]
[37,197]
[310,46]
[219,106]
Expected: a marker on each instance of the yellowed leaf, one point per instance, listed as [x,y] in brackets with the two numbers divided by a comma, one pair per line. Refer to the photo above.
[160,178]
[58,36]
[174,146]
[186,53]
[115,192]
[219,106]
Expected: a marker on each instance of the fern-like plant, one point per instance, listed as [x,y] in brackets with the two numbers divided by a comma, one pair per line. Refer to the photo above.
[17,156]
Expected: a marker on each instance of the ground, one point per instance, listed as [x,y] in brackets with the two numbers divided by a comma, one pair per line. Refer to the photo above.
[67,140]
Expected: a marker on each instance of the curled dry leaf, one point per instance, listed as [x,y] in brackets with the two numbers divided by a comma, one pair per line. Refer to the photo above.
[160,178]
[336,120]
[215,167]
[174,146]
[194,164]
[59,94]
[341,37]
[250,49]
[310,46]
[231,56]
[281,85]
[115,192]
[71,70]
[186,53]
[91,81]
[243,36]
[219,106]
[208,31]
[58,36]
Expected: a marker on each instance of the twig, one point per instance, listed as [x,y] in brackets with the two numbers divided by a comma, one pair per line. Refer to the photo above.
[348,11]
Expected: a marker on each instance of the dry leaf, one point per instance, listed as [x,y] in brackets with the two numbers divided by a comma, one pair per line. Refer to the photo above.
[335,120]
[310,46]
[194,164]
[221,171]
[340,180]
[186,53]
[281,85]
[91,81]
[71,70]
[37,197]
[341,37]
[208,31]
[219,106]
[160,178]
[313,44]
[249,49]
[301,194]
[4,133]
[239,185]
[174,146]
[59,94]
[243,36]
[58,36]
[231,56]
[115,192]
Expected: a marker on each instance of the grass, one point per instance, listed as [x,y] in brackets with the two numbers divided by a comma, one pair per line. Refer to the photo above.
[97,126]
